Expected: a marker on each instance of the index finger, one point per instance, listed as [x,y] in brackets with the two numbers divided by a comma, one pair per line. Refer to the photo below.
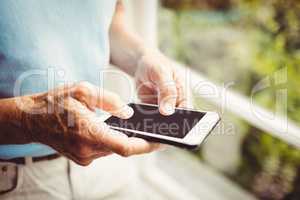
[167,93]
[94,96]
[182,94]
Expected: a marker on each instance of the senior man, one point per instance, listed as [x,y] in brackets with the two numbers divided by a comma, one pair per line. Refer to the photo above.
[44,133]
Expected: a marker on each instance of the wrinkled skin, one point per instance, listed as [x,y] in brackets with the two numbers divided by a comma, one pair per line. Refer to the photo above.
[65,120]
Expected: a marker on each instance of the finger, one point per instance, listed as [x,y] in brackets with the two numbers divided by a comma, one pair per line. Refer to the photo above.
[162,147]
[182,104]
[101,154]
[97,97]
[147,94]
[113,104]
[181,100]
[125,146]
[167,93]
[167,98]
[62,90]
[116,141]
[97,154]
[141,146]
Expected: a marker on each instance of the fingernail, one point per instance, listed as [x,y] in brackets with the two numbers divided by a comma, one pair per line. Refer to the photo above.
[127,112]
[168,109]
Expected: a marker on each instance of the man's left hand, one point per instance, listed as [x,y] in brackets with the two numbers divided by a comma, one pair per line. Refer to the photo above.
[158,82]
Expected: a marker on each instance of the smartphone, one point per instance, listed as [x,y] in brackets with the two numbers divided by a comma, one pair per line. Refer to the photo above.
[185,128]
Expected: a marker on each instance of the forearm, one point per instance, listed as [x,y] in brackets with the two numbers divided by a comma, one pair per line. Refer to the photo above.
[126,46]
[126,49]
[11,131]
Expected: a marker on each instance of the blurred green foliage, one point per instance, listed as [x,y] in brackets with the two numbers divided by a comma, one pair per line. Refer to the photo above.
[270,29]
[277,36]
[275,27]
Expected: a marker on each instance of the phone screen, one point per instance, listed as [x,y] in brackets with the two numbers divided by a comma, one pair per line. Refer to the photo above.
[146,118]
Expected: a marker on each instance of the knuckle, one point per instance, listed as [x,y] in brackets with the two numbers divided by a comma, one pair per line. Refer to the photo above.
[83,123]
[169,90]
[83,88]
[125,151]
[80,91]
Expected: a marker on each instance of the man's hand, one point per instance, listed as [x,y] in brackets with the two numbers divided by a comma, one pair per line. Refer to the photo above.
[159,83]
[157,80]
[65,120]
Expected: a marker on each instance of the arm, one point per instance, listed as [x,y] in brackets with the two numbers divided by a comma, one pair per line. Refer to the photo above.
[157,80]
[10,122]
[64,119]
[126,46]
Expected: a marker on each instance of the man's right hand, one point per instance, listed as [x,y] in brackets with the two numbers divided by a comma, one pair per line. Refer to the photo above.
[64,119]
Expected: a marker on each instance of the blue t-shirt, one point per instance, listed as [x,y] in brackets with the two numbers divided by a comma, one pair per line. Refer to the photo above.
[47,43]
